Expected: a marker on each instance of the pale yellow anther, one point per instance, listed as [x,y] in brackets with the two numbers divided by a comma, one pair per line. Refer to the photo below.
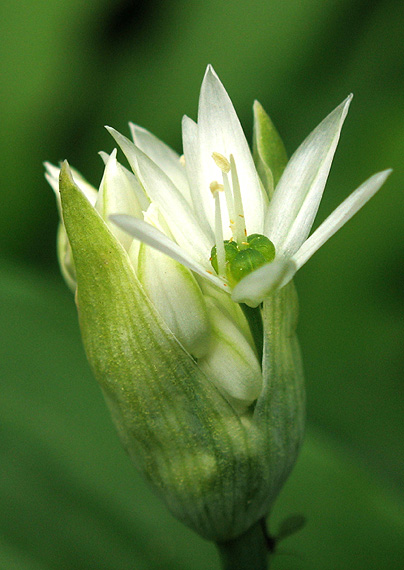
[216,187]
[182,160]
[221,161]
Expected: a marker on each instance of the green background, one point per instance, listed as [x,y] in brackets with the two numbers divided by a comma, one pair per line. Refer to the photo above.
[69,498]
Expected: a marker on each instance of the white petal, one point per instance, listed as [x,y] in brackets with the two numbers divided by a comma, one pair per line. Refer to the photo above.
[164,156]
[65,258]
[259,284]
[220,131]
[231,364]
[153,237]
[298,194]
[52,176]
[174,292]
[177,212]
[200,193]
[127,147]
[117,196]
[340,216]
[104,155]
[143,200]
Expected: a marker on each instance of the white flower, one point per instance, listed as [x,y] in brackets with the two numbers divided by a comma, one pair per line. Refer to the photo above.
[213,197]
[207,393]
[217,161]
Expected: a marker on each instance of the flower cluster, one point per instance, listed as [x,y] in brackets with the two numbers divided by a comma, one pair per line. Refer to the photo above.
[182,268]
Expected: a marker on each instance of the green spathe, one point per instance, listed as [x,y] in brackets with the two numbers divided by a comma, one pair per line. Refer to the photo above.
[217,472]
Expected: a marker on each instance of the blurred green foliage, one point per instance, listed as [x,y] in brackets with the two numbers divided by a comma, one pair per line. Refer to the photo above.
[69,498]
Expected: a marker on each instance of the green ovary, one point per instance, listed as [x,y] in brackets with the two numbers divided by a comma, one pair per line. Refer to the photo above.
[257,250]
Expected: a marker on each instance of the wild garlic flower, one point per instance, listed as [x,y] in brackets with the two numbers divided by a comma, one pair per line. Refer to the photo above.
[182,271]
[239,204]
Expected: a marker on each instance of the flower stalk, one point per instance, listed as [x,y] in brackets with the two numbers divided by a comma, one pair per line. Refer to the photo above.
[247,552]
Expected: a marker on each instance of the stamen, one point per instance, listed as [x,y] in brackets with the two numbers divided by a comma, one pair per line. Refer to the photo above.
[224,165]
[215,188]
[240,229]
[229,201]
[182,160]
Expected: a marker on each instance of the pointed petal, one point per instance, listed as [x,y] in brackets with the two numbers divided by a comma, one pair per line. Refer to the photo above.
[297,197]
[52,176]
[200,194]
[220,131]
[177,212]
[153,237]
[117,196]
[164,156]
[126,146]
[104,155]
[259,284]
[143,200]
[340,216]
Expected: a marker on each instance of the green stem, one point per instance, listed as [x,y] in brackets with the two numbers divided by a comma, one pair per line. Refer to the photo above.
[254,318]
[246,552]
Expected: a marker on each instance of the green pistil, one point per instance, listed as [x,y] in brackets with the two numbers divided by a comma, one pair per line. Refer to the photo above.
[242,259]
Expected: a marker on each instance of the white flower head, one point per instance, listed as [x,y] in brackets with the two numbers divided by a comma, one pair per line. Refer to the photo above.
[213,196]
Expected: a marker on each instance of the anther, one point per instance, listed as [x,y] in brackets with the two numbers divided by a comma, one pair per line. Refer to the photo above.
[216,187]
[221,161]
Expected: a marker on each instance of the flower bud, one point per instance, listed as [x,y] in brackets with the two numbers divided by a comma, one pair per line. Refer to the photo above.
[177,297]
[231,362]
